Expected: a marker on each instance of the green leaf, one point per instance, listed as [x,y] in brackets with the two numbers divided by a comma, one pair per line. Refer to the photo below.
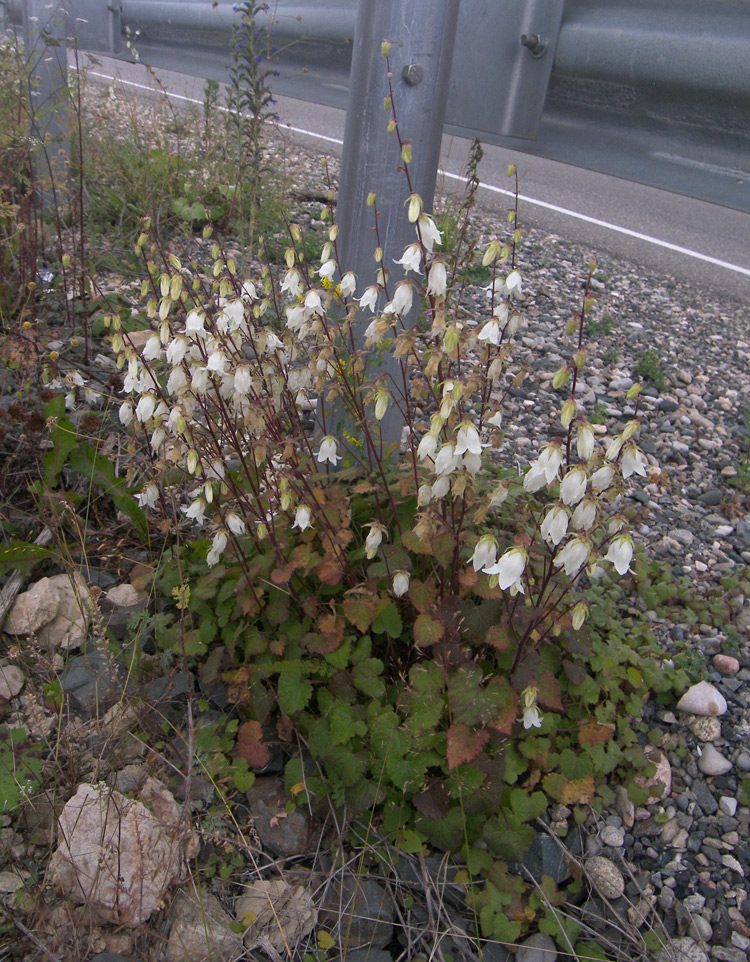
[427,631]
[21,554]
[388,622]
[575,766]
[20,767]
[508,840]
[366,677]
[294,691]
[63,437]
[447,833]
[100,470]
[526,806]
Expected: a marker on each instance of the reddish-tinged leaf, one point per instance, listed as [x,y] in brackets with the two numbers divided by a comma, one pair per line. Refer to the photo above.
[276,646]
[280,576]
[412,542]
[284,729]
[427,631]
[360,612]
[549,691]
[591,732]
[499,636]
[468,578]
[422,594]
[464,745]
[443,547]
[574,671]
[329,572]
[434,801]
[250,745]
[506,719]
[363,487]
[579,791]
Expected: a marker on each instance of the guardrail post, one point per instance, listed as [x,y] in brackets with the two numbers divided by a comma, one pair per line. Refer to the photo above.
[421,33]
[45,27]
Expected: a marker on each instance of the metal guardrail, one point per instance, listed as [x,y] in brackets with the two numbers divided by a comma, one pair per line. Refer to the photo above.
[657,93]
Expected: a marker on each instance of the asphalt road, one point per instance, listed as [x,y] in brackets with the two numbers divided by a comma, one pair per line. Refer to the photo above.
[690,240]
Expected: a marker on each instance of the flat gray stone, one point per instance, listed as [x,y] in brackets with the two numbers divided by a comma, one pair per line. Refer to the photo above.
[537,948]
[11,681]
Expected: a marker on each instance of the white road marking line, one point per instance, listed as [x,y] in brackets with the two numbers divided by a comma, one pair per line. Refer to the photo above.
[576,215]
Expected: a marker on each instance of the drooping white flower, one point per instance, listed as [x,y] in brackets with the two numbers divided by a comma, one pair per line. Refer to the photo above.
[514,284]
[441,487]
[584,515]
[467,439]
[152,350]
[295,317]
[248,291]
[348,284]
[400,583]
[509,569]
[273,343]
[555,525]
[196,511]
[243,379]
[531,717]
[411,259]
[291,283]
[429,232]
[370,298]
[218,545]
[328,451]
[235,524]
[490,332]
[194,324]
[496,420]
[427,446]
[437,279]
[149,497]
[572,557]
[620,553]
[485,553]
[200,380]
[573,486]
[145,407]
[126,413]
[551,458]
[402,300]
[535,478]
[585,442]
[302,518]
[177,381]
[327,269]
[374,538]
[313,302]
[446,460]
[472,463]
[424,495]
[632,462]
[176,350]
[602,479]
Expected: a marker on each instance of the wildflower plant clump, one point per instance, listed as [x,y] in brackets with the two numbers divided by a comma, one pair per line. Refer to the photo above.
[417,613]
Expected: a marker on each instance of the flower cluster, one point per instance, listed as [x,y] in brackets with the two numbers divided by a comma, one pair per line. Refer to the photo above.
[222,385]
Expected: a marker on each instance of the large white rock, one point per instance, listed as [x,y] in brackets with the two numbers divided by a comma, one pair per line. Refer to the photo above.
[201,930]
[703,699]
[69,626]
[275,911]
[116,856]
[33,608]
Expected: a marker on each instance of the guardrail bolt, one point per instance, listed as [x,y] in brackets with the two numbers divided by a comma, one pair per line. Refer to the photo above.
[413,73]
[537,45]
